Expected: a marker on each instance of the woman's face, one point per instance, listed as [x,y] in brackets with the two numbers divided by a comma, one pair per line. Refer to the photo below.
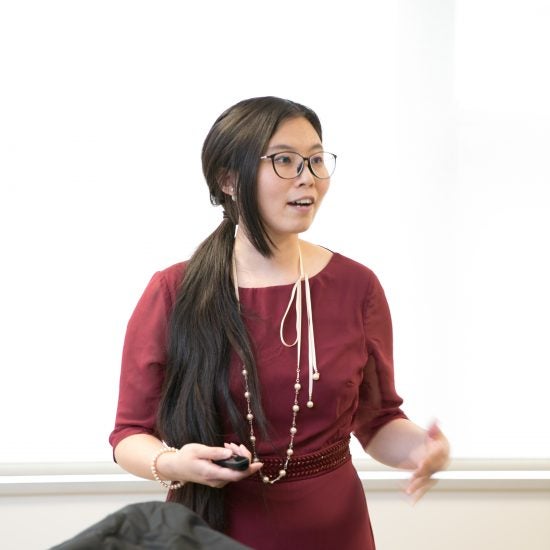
[277,197]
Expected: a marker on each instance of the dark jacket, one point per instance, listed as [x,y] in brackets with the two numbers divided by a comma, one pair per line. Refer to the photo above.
[151,526]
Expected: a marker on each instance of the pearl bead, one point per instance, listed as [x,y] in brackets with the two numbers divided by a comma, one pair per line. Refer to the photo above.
[293,430]
[295,408]
[315,376]
[289,452]
[297,387]
[255,459]
[253,438]
[247,394]
[310,404]
[249,416]
[282,473]
[245,372]
[265,479]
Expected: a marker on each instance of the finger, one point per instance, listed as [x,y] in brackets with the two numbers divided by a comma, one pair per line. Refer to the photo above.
[231,446]
[217,484]
[210,453]
[417,482]
[422,490]
[437,438]
[436,456]
[240,450]
[254,468]
[243,451]
[217,477]
[423,470]
[225,475]
[235,448]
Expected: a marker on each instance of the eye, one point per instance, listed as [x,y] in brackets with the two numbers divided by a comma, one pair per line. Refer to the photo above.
[317,160]
[282,159]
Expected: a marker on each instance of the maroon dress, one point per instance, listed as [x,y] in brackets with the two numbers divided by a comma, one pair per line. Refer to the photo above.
[355,394]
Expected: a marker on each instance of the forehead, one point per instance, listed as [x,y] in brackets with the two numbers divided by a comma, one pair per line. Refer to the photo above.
[296,134]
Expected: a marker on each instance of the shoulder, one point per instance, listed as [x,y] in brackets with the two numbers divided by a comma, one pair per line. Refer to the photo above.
[168,280]
[344,279]
[320,259]
[351,271]
[174,273]
[361,283]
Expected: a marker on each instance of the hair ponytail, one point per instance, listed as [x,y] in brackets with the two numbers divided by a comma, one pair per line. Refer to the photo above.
[205,326]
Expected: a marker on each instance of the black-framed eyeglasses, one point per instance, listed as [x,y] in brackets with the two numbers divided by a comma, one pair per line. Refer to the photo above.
[289,165]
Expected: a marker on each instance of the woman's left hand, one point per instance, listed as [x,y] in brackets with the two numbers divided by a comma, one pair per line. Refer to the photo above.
[430,457]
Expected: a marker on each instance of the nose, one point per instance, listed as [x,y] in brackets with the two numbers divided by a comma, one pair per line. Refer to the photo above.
[305,177]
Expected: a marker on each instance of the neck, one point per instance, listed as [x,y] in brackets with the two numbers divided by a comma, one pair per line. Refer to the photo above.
[255,270]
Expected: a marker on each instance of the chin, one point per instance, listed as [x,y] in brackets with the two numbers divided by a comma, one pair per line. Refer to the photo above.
[281,232]
[302,228]
[292,227]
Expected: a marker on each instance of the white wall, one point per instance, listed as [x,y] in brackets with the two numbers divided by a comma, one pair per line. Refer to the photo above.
[438,113]
[458,514]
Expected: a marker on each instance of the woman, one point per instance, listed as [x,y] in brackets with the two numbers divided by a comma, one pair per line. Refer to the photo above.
[267,347]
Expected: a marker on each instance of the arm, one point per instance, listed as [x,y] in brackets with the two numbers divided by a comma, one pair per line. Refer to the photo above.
[135,439]
[403,444]
[393,444]
[385,432]
[193,462]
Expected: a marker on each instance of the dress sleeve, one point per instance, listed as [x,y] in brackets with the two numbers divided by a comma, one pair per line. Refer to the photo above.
[379,402]
[143,361]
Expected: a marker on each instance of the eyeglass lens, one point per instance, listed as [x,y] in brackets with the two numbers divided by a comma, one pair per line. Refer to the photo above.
[289,165]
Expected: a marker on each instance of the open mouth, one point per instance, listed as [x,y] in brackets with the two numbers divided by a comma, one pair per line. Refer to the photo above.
[302,202]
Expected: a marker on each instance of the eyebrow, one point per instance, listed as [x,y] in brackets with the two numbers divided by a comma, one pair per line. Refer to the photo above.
[284,147]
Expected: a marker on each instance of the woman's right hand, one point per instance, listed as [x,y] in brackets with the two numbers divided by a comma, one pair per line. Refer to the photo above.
[194,462]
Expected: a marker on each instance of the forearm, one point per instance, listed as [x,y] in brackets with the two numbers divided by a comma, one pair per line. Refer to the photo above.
[193,462]
[135,453]
[396,443]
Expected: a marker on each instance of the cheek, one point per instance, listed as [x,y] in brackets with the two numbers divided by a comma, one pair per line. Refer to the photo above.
[266,186]
[270,189]
[269,199]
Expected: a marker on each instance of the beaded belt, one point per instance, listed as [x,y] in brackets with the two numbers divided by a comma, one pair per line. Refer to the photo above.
[310,465]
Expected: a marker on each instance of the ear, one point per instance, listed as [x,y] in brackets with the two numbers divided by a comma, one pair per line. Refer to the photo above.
[228,182]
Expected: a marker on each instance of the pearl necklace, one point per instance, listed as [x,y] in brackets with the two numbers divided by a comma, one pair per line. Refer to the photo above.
[295,296]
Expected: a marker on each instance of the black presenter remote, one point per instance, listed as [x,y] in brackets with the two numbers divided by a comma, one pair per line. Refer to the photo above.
[235,462]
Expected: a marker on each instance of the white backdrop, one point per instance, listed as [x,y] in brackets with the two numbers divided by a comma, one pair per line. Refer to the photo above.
[439,116]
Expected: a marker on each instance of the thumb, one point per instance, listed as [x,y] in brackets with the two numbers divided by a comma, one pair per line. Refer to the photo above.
[212,453]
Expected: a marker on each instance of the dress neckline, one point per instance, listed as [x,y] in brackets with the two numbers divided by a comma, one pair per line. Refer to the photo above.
[288,285]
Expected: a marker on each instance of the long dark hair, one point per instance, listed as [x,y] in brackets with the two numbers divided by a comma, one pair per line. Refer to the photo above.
[206,324]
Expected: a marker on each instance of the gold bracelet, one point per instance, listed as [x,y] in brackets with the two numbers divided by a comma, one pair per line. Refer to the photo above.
[170,485]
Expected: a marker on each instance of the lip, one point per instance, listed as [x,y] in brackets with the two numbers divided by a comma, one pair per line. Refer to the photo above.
[303,198]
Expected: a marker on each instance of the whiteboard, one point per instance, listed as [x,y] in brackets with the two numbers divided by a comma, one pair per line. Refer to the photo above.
[442,128]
